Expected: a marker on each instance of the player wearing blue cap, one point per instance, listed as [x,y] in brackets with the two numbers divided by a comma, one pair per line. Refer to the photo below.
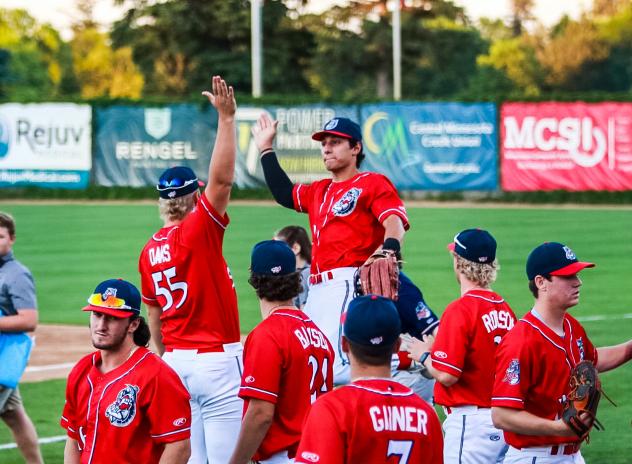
[535,359]
[189,292]
[352,214]
[123,403]
[373,419]
[461,358]
[287,362]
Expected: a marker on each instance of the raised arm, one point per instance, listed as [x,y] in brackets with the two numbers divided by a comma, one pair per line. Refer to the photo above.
[221,172]
[280,185]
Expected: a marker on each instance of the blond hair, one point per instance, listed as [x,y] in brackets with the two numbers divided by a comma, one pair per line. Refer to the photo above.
[176,209]
[483,274]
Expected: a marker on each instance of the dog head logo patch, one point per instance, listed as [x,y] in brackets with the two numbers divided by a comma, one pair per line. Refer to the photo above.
[122,412]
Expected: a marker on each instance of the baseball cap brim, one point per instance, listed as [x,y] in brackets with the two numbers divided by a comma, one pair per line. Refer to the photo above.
[571,269]
[321,135]
[109,311]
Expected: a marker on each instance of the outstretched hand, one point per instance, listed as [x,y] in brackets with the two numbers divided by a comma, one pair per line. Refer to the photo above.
[418,347]
[222,97]
[264,132]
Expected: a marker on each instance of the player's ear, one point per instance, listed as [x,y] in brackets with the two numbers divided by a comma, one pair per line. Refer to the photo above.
[397,345]
[345,345]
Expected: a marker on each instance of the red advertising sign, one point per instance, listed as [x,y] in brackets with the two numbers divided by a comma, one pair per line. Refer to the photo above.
[566,146]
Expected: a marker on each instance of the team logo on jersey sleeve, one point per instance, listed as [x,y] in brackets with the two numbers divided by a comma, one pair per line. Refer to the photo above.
[347,203]
[122,411]
[423,312]
[512,374]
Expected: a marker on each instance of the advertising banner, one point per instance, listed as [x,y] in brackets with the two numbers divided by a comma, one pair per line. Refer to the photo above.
[134,144]
[45,145]
[432,146]
[566,146]
[298,154]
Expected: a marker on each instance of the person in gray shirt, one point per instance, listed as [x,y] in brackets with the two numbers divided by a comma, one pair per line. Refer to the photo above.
[18,306]
[300,243]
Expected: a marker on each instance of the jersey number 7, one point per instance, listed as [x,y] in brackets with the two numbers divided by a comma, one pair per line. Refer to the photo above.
[401,449]
[171,287]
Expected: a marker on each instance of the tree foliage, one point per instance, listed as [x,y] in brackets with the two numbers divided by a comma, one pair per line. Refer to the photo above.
[170,48]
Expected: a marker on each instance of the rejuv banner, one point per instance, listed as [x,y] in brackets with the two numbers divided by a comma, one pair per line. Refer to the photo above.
[45,144]
[566,146]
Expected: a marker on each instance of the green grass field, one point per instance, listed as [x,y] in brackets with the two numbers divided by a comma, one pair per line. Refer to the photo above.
[72,247]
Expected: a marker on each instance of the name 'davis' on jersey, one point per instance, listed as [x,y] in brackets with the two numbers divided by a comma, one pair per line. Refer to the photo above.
[398,418]
[309,336]
[497,320]
[159,255]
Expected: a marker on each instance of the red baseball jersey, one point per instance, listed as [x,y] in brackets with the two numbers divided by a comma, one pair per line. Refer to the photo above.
[533,366]
[346,217]
[371,421]
[128,414]
[287,361]
[183,272]
[469,333]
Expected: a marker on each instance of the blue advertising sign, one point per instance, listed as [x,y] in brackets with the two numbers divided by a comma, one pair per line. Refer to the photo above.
[432,146]
[134,144]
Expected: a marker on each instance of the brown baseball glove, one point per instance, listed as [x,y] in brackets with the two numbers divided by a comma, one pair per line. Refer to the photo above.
[379,275]
[583,399]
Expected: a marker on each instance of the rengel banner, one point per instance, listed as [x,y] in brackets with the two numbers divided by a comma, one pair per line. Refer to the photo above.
[45,144]
[566,146]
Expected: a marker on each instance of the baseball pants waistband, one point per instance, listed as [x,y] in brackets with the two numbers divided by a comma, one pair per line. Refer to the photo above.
[554,450]
[227,348]
[464,410]
[340,273]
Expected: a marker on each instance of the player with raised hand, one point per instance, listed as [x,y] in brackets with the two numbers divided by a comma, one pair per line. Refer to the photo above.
[123,403]
[287,361]
[189,292]
[373,419]
[460,359]
[535,360]
[351,215]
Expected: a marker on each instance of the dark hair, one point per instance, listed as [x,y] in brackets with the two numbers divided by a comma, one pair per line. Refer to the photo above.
[371,355]
[276,288]
[534,288]
[142,333]
[360,157]
[297,234]
[7,221]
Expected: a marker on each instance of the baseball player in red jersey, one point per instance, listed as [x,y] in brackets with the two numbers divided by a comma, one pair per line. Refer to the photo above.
[189,292]
[534,361]
[374,419]
[287,362]
[460,359]
[351,215]
[123,403]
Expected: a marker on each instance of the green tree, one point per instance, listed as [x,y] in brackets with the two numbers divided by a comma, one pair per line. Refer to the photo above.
[353,58]
[178,44]
[33,70]
[515,59]
[101,71]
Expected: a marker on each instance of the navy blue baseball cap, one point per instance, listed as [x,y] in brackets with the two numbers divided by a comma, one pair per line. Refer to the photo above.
[177,181]
[372,320]
[115,297]
[272,257]
[340,127]
[554,258]
[476,245]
